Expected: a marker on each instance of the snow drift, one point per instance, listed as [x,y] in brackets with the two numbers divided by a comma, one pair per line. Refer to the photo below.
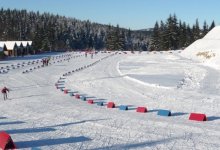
[206,50]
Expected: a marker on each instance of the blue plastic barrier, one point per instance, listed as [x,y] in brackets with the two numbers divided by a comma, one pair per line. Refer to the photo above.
[71,94]
[83,98]
[100,103]
[163,112]
[123,107]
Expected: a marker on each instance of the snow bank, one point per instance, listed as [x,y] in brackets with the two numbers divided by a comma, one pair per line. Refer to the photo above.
[206,50]
[214,34]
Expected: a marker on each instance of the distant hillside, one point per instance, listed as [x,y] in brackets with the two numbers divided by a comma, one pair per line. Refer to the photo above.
[54,32]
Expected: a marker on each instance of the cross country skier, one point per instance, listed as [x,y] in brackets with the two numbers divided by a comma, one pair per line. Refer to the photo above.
[4,92]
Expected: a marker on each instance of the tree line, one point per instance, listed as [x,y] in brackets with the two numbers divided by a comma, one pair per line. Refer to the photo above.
[51,32]
[174,34]
[55,32]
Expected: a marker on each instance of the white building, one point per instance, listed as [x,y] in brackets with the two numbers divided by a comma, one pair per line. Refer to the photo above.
[15,48]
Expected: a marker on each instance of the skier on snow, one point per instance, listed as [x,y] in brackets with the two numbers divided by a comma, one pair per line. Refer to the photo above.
[4,92]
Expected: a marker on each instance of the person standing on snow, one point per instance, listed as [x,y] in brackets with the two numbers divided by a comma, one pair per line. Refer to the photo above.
[4,92]
[48,60]
[44,62]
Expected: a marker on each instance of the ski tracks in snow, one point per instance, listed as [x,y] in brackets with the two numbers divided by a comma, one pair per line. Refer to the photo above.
[111,128]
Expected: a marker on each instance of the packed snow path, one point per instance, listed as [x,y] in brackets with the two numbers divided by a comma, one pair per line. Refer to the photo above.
[39,115]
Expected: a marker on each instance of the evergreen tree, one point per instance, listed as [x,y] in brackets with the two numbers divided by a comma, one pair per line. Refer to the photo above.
[118,39]
[110,39]
[182,35]
[122,41]
[155,40]
[189,37]
[205,29]
[162,36]
[129,41]
[196,31]
[212,25]
[115,39]
[171,32]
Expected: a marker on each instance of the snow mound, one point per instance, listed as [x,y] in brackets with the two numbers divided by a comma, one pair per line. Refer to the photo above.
[192,79]
[206,50]
[214,34]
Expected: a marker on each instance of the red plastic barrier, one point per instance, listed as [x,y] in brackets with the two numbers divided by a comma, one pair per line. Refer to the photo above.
[141,109]
[6,141]
[65,91]
[77,96]
[197,117]
[111,105]
[90,101]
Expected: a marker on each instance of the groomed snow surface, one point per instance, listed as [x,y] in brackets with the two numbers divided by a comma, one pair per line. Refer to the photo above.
[37,115]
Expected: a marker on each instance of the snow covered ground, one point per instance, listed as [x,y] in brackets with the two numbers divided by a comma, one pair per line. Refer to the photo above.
[39,115]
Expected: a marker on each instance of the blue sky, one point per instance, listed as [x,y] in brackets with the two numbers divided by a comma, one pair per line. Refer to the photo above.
[134,14]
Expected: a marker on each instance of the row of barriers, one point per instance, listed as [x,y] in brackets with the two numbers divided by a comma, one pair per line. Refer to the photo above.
[90,100]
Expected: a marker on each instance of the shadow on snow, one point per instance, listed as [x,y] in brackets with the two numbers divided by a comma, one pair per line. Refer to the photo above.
[138,145]
[50,142]
[212,118]
[30,130]
[10,123]
[178,114]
